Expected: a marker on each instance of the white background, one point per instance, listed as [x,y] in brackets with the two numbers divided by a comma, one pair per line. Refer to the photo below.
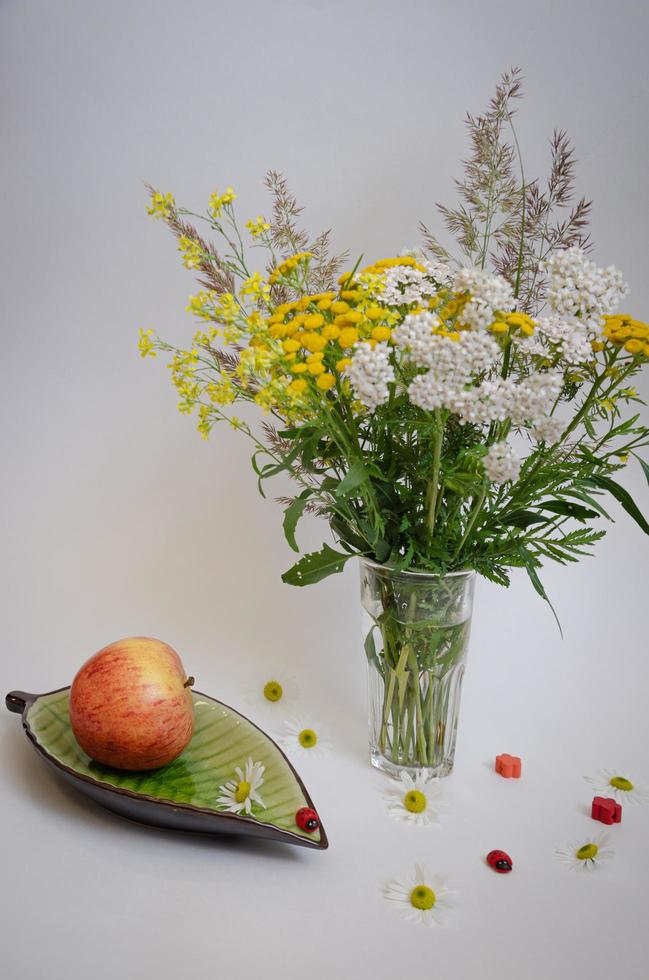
[118,519]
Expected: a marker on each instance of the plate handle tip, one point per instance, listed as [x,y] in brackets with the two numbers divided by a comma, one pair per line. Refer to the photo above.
[17,701]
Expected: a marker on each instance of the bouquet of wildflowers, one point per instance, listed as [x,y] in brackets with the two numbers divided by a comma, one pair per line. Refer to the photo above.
[441,413]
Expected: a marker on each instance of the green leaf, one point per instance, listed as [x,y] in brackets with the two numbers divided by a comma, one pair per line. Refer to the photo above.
[292,514]
[354,478]
[623,497]
[316,566]
[530,567]
[568,509]
[523,518]
[591,501]
[645,466]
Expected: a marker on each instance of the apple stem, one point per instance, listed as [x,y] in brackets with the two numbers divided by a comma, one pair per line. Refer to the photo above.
[189,682]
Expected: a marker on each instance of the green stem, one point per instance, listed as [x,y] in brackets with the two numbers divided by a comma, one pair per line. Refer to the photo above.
[471,522]
[438,434]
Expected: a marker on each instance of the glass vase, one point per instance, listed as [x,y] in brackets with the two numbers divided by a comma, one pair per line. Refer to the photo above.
[416,634]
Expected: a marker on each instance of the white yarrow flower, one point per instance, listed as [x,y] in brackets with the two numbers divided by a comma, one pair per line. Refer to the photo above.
[420,898]
[370,374]
[414,800]
[548,430]
[404,284]
[501,463]
[238,795]
[489,294]
[579,288]
[569,336]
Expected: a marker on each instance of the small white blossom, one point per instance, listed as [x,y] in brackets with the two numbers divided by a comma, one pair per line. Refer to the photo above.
[579,288]
[569,335]
[548,429]
[453,359]
[501,463]
[501,399]
[414,335]
[535,396]
[370,374]
[489,293]
[429,391]
[405,284]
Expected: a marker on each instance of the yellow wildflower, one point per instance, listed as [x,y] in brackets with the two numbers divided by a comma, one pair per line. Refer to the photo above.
[258,226]
[255,286]
[374,312]
[298,386]
[222,393]
[343,363]
[348,337]
[634,346]
[287,266]
[146,343]
[218,201]
[313,342]
[381,333]
[325,381]
[313,321]
[339,307]
[162,205]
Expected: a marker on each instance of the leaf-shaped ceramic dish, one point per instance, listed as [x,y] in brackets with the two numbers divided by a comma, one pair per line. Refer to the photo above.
[182,795]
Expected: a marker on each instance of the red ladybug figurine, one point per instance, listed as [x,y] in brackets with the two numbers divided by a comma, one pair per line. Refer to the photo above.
[307,819]
[499,861]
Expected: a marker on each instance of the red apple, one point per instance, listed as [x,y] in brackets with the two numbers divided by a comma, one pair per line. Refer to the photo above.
[131,705]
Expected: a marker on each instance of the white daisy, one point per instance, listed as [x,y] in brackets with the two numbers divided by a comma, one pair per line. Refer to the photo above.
[273,690]
[586,854]
[238,795]
[422,898]
[610,782]
[415,800]
[304,737]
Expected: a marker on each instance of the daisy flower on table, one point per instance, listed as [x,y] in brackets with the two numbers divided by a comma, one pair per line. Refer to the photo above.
[610,782]
[421,898]
[238,795]
[304,737]
[273,690]
[588,854]
[414,800]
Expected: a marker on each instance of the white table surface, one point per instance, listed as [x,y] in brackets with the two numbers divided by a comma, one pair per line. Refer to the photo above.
[118,520]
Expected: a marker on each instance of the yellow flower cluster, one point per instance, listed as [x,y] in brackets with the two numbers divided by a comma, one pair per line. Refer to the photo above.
[624,331]
[256,287]
[218,201]
[514,321]
[162,205]
[258,226]
[383,264]
[308,342]
[191,252]
[146,343]
[287,266]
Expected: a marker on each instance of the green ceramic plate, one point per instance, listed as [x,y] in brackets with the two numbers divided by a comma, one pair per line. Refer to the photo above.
[181,795]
